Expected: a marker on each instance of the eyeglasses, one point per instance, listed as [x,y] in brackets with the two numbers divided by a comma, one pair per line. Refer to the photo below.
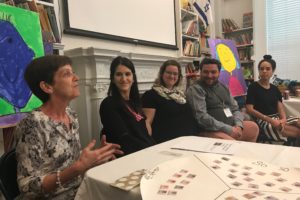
[171,73]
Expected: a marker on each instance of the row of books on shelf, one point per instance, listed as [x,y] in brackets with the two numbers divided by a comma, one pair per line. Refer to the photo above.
[204,41]
[191,48]
[229,25]
[245,54]
[248,20]
[242,39]
[49,25]
[190,28]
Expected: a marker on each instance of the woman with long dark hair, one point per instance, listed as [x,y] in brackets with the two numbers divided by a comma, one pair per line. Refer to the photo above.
[121,114]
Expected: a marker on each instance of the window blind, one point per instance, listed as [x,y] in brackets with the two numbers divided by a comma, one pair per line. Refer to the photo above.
[283,36]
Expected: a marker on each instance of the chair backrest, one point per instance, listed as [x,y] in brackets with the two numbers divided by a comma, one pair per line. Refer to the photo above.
[8,175]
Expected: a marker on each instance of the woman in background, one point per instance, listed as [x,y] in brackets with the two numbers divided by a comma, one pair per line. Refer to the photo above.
[264,103]
[50,164]
[121,114]
[168,114]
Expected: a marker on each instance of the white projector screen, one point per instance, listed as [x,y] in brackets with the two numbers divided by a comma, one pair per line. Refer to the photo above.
[147,22]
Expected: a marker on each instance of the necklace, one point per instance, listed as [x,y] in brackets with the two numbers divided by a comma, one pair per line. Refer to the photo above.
[138,117]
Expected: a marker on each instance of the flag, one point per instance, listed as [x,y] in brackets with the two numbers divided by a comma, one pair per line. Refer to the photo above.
[203,8]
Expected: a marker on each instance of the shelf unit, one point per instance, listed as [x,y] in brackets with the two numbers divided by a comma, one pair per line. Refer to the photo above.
[243,39]
[190,33]
[192,40]
[48,18]
[235,21]
[46,3]
[193,35]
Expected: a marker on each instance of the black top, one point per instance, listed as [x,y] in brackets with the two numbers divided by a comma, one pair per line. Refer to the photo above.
[171,119]
[263,100]
[121,127]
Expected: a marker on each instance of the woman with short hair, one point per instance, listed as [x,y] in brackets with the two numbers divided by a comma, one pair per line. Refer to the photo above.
[48,151]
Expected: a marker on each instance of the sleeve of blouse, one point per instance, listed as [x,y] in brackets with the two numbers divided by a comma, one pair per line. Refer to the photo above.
[29,151]
[149,100]
[116,127]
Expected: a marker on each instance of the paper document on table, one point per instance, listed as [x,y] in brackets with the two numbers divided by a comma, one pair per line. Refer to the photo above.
[220,147]
[130,181]
[288,157]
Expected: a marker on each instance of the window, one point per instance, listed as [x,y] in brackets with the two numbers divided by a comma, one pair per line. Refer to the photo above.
[283,36]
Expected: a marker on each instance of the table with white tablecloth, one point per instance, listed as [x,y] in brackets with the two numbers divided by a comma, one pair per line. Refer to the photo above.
[292,106]
[96,183]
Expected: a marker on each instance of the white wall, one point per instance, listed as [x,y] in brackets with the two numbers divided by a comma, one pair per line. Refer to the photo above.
[233,9]
[73,41]
[236,8]
[260,41]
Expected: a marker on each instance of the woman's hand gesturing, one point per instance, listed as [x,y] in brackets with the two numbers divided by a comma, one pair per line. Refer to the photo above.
[91,157]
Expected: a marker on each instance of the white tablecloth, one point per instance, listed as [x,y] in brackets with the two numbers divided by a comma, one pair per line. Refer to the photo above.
[292,106]
[96,182]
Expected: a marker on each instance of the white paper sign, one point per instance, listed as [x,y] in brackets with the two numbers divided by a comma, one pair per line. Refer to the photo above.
[226,147]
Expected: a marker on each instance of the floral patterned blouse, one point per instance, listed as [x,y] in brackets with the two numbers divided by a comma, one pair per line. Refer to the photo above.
[44,146]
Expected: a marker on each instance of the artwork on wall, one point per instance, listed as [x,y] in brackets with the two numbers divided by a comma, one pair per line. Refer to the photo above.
[19,44]
[231,74]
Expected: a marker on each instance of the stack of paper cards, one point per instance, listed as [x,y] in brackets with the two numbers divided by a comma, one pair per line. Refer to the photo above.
[129,182]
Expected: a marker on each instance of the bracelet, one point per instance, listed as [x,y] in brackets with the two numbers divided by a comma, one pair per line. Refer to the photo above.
[58,181]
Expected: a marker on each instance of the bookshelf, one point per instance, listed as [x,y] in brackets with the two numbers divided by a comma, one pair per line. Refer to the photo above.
[234,20]
[193,40]
[243,38]
[48,20]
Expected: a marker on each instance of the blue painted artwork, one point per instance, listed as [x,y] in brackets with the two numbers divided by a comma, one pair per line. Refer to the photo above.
[15,55]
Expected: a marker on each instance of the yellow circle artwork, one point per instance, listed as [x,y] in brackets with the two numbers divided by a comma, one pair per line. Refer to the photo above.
[226,57]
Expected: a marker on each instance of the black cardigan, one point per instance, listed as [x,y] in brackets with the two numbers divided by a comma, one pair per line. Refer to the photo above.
[121,127]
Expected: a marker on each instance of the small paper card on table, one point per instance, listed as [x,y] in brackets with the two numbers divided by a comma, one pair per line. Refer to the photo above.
[225,147]
[130,181]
